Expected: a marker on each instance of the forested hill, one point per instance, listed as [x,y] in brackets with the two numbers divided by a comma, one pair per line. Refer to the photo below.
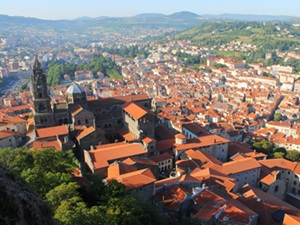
[17,25]
[283,36]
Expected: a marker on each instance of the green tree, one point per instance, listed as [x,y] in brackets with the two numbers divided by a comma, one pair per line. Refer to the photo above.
[293,155]
[63,192]
[16,160]
[279,155]
[277,116]
[43,170]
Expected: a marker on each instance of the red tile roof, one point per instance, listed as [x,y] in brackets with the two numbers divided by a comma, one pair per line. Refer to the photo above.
[135,110]
[5,134]
[239,166]
[204,141]
[51,131]
[84,131]
[39,145]
[111,152]
[136,179]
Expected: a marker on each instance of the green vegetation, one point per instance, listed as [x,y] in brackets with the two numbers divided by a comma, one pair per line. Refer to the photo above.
[268,148]
[190,60]
[56,70]
[293,155]
[49,173]
[277,117]
[267,37]
[127,52]
[264,146]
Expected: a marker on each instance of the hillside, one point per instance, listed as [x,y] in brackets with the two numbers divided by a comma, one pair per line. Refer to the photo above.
[282,36]
[13,25]
[19,204]
[99,26]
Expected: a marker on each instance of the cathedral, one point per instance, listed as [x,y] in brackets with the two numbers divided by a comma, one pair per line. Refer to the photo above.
[96,120]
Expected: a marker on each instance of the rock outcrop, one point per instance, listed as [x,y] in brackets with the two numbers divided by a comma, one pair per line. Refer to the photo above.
[19,205]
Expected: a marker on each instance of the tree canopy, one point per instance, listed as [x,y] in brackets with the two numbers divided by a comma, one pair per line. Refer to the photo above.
[49,172]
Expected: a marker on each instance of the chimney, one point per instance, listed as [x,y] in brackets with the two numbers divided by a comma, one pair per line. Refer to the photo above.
[92,147]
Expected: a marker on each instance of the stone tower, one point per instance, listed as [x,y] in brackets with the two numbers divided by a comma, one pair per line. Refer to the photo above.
[43,114]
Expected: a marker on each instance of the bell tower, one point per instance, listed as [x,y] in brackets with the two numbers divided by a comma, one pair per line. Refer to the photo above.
[43,114]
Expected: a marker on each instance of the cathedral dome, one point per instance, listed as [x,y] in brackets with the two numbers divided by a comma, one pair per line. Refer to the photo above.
[75,89]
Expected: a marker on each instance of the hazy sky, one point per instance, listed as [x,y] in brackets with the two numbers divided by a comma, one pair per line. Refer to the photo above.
[70,9]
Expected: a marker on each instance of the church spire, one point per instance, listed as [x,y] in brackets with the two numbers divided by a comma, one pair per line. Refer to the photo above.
[37,64]
[43,114]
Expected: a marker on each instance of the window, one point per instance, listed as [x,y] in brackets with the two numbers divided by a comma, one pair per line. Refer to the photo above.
[86,121]
[276,188]
[78,122]
[294,182]
[41,107]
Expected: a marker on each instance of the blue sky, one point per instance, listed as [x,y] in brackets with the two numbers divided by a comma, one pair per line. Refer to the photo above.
[70,9]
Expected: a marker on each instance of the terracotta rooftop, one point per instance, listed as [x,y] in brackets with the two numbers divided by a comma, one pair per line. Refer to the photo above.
[103,154]
[135,110]
[239,166]
[202,142]
[5,134]
[84,131]
[160,158]
[136,179]
[51,131]
[266,205]
[118,168]
[55,144]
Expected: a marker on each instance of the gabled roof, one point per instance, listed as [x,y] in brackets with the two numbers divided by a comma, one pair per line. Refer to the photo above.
[55,144]
[111,152]
[264,204]
[52,131]
[6,134]
[133,161]
[118,168]
[161,158]
[135,110]
[76,109]
[136,179]
[277,164]
[84,131]
[14,120]
[203,141]
[239,166]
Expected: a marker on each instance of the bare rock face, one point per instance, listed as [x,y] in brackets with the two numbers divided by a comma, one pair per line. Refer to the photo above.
[19,205]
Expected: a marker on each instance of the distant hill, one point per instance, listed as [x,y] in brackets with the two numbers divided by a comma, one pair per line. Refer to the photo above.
[150,15]
[247,17]
[185,15]
[179,21]
[268,36]
[100,25]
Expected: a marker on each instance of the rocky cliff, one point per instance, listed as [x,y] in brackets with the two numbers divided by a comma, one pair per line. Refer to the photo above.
[19,205]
